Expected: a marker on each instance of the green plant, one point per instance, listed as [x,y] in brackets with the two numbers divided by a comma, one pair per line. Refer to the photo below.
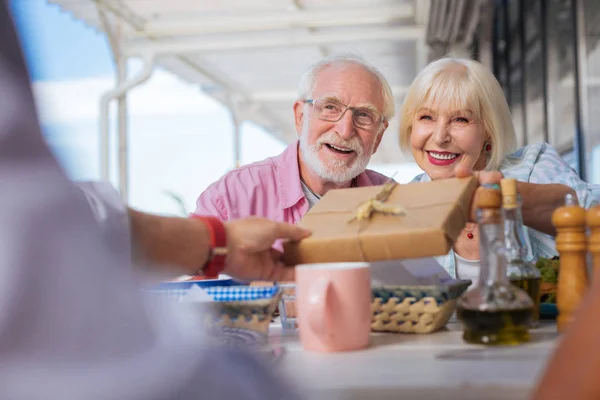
[179,200]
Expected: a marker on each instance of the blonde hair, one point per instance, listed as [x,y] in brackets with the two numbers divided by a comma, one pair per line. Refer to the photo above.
[309,79]
[461,84]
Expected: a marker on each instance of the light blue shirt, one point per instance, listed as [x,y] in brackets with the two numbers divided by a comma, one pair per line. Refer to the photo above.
[536,163]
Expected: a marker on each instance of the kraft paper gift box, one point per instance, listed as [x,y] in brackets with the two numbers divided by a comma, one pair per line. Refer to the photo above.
[432,214]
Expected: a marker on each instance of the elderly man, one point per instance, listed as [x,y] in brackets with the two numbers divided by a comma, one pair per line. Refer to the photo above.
[342,111]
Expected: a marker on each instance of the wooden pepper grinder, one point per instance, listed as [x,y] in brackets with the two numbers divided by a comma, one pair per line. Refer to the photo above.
[569,222]
[593,223]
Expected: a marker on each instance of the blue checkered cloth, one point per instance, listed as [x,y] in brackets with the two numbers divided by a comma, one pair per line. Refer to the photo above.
[222,293]
[241,293]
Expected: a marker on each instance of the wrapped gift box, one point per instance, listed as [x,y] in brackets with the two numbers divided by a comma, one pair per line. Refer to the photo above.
[432,216]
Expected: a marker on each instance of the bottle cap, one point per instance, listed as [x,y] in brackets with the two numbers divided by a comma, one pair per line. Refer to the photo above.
[509,193]
[571,215]
[487,197]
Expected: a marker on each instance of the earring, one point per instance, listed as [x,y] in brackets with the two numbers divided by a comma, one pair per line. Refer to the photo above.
[487,146]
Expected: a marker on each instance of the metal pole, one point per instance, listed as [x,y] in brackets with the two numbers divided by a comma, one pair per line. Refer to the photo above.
[581,87]
[114,33]
[118,91]
[552,75]
[122,123]
[237,145]
[234,109]
[496,42]
[523,65]
[544,56]
[123,133]
[103,123]
[508,41]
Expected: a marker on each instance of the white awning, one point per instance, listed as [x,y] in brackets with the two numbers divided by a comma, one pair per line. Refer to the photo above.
[254,51]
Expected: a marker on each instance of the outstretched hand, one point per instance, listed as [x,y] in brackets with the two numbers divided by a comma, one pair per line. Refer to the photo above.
[251,256]
[483,177]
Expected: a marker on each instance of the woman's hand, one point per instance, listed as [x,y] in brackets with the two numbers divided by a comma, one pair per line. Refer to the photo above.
[483,177]
[538,200]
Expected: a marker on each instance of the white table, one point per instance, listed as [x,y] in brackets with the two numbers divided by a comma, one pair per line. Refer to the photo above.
[433,366]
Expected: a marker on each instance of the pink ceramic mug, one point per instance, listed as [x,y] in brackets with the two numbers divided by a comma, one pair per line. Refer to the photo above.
[333,301]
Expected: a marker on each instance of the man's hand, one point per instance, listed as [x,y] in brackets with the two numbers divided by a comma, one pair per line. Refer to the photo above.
[251,255]
[489,177]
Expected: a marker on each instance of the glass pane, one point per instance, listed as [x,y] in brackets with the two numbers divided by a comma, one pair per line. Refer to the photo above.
[561,74]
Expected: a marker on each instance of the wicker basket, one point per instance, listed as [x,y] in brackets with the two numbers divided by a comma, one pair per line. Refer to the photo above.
[406,309]
[255,315]
[415,309]
[233,306]
[410,316]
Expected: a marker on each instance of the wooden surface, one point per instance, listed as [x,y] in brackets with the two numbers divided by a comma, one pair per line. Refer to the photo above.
[410,366]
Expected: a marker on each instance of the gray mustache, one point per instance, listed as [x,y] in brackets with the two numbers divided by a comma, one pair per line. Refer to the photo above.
[336,141]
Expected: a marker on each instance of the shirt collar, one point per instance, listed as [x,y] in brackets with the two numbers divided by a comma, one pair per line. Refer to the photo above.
[288,176]
[364,179]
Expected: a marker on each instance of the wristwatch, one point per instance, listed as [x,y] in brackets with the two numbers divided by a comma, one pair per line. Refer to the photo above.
[218,247]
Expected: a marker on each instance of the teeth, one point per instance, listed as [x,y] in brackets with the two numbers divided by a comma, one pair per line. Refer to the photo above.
[443,156]
[337,148]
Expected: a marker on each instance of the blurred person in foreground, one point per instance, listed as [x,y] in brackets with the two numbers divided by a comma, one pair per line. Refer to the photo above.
[571,370]
[342,110]
[73,322]
[455,119]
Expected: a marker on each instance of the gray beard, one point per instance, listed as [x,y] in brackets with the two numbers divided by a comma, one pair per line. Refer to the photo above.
[334,170]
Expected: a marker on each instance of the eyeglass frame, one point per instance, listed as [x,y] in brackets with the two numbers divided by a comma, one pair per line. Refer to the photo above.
[347,107]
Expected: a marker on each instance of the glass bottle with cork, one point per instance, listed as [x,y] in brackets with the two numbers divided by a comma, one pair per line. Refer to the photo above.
[494,312]
[521,273]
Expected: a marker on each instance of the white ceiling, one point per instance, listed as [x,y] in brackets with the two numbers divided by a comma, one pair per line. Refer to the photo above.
[254,51]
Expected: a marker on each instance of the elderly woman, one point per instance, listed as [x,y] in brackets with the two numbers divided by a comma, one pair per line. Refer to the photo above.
[455,118]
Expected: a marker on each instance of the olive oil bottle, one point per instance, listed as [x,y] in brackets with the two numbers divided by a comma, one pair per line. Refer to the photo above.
[494,312]
[520,271]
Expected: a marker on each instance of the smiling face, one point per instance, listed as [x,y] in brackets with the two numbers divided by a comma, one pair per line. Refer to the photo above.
[452,108]
[339,151]
[443,138]
[443,119]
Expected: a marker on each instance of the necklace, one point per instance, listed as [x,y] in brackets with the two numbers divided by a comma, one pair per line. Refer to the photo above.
[352,184]
[470,234]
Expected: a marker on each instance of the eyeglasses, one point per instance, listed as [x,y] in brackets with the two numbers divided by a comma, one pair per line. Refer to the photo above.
[333,111]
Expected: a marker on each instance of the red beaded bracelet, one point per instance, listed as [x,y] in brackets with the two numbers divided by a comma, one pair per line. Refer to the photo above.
[218,247]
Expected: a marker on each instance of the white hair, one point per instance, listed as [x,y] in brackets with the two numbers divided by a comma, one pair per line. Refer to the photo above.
[462,84]
[309,79]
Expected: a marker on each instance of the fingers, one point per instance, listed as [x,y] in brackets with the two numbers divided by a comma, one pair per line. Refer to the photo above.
[483,177]
[282,273]
[291,232]
[490,177]
[273,269]
[462,171]
[276,255]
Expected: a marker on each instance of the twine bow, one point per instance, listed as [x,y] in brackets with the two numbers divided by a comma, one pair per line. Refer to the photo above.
[377,204]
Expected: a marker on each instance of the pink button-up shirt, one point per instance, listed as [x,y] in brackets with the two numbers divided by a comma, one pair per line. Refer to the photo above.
[270,188]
